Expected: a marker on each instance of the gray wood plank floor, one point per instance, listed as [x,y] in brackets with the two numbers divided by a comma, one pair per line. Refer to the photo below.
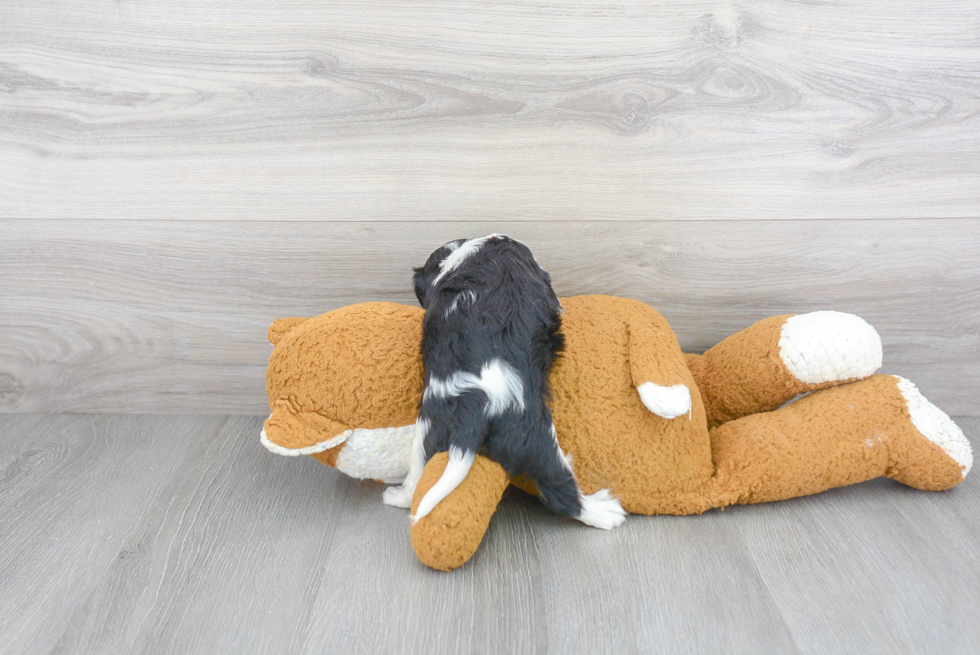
[180,534]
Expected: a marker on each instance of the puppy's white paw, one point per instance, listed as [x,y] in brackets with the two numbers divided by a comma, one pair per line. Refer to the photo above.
[668,402]
[602,510]
[828,347]
[400,496]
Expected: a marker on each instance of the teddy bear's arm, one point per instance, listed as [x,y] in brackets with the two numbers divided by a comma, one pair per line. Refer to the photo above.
[448,536]
[658,368]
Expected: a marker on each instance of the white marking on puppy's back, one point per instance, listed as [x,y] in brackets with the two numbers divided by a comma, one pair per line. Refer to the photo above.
[459,465]
[503,386]
[497,379]
[454,385]
[455,259]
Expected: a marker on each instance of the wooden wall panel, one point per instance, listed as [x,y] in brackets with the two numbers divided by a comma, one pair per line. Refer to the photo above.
[421,111]
[170,316]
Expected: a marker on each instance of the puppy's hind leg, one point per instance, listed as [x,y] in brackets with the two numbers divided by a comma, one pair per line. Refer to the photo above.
[401,495]
[552,474]
[468,430]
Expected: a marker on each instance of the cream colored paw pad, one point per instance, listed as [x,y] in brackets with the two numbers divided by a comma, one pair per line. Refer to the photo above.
[829,346]
[936,426]
[667,402]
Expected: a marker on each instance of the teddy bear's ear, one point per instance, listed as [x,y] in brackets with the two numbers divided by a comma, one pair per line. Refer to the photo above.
[282,326]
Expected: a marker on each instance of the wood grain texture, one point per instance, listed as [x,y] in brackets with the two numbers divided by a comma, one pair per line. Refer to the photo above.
[73,488]
[182,535]
[103,316]
[421,111]
[109,316]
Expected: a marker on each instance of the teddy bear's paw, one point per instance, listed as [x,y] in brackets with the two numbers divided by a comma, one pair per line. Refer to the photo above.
[667,402]
[400,496]
[936,426]
[829,347]
[602,510]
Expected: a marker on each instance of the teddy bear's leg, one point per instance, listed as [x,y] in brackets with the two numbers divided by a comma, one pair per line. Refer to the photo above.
[774,360]
[447,537]
[658,368]
[881,426]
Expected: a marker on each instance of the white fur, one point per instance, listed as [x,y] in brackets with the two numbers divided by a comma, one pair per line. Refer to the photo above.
[459,465]
[565,458]
[380,454]
[401,496]
[503,386]
[829,346]
[456,258]
[332,442]
[452,386]
[668,402]
[936,426]
[460,298]
[498,380]
[602,510]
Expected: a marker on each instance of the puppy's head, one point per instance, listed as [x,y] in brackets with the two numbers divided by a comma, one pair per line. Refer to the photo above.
[425,276]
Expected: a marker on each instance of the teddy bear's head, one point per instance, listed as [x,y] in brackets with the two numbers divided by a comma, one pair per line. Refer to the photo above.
[345,387]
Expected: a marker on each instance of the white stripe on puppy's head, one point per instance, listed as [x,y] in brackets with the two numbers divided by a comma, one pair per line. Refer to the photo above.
[459,255]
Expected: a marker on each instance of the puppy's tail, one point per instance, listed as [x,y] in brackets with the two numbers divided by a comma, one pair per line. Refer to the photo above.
[460,462]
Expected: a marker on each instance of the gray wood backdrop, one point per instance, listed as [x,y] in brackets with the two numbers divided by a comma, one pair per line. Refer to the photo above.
[175,176]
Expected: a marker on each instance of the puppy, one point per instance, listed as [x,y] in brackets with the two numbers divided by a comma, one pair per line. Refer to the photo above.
[489,337]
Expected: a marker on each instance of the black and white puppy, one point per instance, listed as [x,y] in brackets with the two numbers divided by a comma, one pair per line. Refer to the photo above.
[489,337]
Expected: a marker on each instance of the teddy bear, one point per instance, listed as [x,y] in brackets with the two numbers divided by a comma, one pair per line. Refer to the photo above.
[787,407]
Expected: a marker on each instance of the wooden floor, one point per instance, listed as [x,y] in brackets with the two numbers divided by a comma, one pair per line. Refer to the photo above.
[180,534]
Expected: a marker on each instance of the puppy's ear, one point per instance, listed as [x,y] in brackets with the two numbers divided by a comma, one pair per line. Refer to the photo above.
[422,280]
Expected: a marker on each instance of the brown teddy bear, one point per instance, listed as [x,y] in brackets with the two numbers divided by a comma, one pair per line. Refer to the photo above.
[666,432]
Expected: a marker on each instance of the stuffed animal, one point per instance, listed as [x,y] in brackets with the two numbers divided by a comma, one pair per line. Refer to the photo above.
[666,432]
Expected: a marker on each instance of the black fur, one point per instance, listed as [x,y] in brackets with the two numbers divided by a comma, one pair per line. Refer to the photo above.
[497,304]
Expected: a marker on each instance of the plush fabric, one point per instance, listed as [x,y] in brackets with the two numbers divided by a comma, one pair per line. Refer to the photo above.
[358,368]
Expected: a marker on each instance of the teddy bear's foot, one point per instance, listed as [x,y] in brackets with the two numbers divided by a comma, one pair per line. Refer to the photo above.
[826,346]
[667,402]
[919,464]
[602,510]
[775,359]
